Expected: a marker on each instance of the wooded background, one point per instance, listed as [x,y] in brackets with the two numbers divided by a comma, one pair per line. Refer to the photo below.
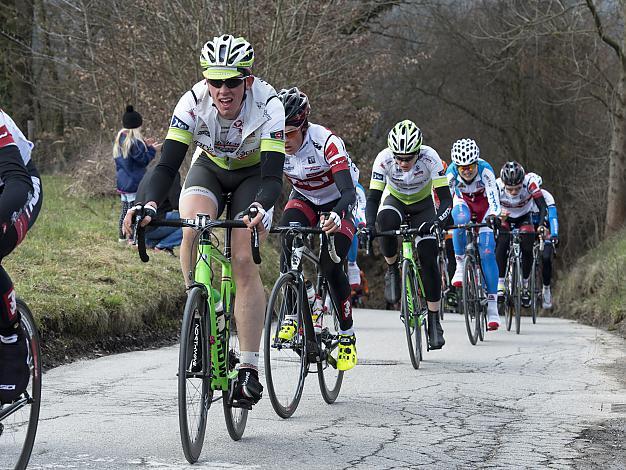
[542,82]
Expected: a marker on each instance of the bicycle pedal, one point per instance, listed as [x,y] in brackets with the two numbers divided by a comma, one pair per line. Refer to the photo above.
[331,361]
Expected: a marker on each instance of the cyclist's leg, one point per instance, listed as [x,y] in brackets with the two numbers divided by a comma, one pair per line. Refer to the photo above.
[424,211]
[13,345]
[526,244]
[502,253]
[340,291]
[354,273]
[547,274]
[487,246]
[461,215]
[390,215]
[201,194]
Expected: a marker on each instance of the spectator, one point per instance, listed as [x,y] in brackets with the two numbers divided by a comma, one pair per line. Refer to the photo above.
[132,154]
[163,238]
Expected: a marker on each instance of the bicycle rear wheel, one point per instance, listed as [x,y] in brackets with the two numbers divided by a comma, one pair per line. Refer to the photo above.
[18,420]
[410,310]
[236,418]
[194,390]
[471,307]
[285,362]
[329,377]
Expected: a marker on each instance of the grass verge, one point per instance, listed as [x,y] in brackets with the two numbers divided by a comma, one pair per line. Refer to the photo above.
[593,290]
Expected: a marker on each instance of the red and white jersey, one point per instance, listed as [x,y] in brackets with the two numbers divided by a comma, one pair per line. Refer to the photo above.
[10,134]
[522,203]
[311,169]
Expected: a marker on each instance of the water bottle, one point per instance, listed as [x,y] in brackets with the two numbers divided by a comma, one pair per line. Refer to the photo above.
[316,306]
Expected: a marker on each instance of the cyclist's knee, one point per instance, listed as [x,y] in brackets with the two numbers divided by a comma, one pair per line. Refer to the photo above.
[194,204]
[461,214]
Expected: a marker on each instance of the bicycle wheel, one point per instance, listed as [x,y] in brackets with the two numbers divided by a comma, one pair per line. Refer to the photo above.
[285,362]
[329,377]
[534,290]
[18,420]
[482,307]
[236,418]
[471,301]
[409,310]
[509,282]
[194,390]
[517,296]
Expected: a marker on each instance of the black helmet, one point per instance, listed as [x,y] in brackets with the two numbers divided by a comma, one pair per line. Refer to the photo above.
[296,105]
[512,174]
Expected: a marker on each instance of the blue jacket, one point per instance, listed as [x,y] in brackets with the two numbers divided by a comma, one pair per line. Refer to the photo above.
[131,169]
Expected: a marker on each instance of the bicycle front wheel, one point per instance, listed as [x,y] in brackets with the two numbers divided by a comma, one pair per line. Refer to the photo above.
[410,311]
[285,361]
[471,300]
[517,296]
[18,420]
[194,365]
[236,418]
[330,378]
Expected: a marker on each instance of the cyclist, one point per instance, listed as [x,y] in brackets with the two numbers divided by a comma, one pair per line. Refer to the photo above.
[473,183]
[551,241]
[406,173]
[518,190]
[354,272]
[238,122]
[323,178]
[20,203]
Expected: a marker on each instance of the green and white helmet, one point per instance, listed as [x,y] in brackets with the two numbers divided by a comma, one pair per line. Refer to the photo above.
[405,137]
[226,57]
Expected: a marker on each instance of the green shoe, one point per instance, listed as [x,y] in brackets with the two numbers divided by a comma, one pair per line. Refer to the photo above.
[346,356]
[287,329]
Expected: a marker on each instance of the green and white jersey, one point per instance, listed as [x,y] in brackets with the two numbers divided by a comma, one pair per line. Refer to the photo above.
[234,144]
[411,186]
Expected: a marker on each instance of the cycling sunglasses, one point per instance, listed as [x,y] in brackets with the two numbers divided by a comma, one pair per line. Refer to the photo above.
[469,167]
[405,158]
[229,82]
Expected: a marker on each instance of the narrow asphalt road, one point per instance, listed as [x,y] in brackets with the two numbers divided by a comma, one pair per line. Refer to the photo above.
[513,401]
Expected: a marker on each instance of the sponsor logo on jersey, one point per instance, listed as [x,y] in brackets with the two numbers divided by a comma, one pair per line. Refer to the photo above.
[178,123]
[316,145]
[377,176]
[311,159]
[442,173]
[204,132]
[238,124]
[279,135]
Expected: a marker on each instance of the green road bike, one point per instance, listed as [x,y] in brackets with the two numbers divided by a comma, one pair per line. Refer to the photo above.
[287,363]
[209,345]
[413,307]
[19,419]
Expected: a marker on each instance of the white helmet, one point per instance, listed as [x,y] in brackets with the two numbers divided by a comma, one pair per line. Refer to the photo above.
[226,57]
[405,138]
[465,152]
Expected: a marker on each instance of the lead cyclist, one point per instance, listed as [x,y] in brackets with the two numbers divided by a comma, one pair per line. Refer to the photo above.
[238,123]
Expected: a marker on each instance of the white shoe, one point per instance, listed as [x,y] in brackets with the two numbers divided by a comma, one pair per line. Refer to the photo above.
[547,297]
[493,319]
[457,279]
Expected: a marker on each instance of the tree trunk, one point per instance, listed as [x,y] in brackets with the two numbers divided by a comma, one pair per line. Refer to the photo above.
[22,88]
[616,198]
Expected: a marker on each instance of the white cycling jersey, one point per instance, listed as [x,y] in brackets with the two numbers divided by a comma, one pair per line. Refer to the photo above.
[410,186]
[10,134]
[311,169]
[361,201]
[521,204]
[482,187]
[259,127]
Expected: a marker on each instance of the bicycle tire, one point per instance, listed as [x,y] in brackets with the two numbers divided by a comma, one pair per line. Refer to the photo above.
[517,299]
[534,289]
[410,314]
[471,310]
[236,418]
[20,426]
[444,287]
[192,386]
[290,359]
[329,377]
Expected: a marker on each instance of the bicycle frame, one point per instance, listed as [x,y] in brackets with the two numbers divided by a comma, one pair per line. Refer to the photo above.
[218,340]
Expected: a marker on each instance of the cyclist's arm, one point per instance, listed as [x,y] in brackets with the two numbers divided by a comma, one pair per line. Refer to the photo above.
[343,181]
[491,190]
[17,182]
[553,220]
[541,205]
[445,203]
[371,208]
[440,186]
[172,156]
